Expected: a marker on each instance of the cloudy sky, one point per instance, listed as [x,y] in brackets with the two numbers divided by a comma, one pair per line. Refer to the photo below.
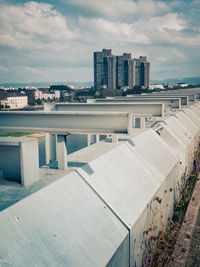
[54,40]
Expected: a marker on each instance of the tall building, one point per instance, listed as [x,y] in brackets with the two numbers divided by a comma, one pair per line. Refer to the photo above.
[99,67]
[110,72]
[115,72]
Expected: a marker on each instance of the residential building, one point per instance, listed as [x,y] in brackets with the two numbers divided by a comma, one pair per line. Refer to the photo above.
[115,72]
[43,95]
[14,102]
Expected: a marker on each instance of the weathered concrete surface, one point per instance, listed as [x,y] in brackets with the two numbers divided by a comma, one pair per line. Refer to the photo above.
[153,109]
[63,224]
[67,122]
[182,247]
[12,192]
[127,185]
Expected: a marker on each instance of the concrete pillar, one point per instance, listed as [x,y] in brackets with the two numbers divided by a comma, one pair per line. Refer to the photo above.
[97,138]
[130,124]
[89,139]
[133,122]
[142,123]
[114,138]
[50,147]
[62,152]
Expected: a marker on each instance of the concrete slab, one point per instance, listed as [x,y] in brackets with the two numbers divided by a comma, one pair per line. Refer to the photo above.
[63,224]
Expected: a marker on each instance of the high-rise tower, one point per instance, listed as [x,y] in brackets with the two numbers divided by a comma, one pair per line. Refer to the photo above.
[115,72]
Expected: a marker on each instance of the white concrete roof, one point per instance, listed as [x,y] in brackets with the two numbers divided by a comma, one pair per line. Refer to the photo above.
[64,224]
[124,182]
[155,152]
[187,122]
[181,132]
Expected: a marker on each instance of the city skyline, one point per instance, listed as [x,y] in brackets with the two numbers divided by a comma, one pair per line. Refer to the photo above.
[55,40]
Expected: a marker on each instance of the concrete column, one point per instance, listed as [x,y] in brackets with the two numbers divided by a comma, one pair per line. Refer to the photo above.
[142,123]
[130,124]
[89,139]
[97,138]
[50,147]
[114,138]
[62,152]
[133,122]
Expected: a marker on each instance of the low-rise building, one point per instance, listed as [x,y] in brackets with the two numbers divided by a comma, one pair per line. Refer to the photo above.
[14,102]
[43,95]
[181,84]
[156,86]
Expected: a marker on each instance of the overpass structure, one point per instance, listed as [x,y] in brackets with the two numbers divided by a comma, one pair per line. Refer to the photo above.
[153,109]
[190,91]
[184,98]
[191,96]
[67,122]
[64,123]
[170,102]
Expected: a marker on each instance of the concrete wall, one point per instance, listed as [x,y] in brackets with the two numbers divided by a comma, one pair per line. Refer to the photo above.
[29,162]
[19,160]
[10,162]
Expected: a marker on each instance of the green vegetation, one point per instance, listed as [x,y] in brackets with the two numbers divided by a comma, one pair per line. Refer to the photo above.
[14,134]
[163,244]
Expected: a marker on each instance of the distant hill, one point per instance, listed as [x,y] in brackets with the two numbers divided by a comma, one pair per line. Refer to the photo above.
[190,80]
[46,84]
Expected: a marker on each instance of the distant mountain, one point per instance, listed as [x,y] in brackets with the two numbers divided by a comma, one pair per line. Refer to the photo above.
[190,80]
[46,84]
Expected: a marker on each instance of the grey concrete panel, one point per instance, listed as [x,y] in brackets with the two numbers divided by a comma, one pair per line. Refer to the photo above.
[126,184]
[163,161]
[181,140]
[19,159]
[187,122]
[184,99]
[191,97]
[64,122]
[64,224]
[10,162]
[155,109]
[193,115]
[29,161]
[169,102]
[155,152]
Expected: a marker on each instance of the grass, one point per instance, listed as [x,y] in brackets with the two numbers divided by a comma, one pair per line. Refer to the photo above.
[14,134]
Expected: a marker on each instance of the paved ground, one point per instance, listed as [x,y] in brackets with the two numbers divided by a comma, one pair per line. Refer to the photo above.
[12,192]
[194,252]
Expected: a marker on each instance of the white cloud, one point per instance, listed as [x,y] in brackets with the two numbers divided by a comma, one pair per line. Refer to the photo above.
[146,31]
[33,25]
[2,68]
[178,54]
[115,31]
[121,8]
[162,59]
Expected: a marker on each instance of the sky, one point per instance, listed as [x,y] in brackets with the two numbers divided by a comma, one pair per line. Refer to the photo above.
[54,40]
